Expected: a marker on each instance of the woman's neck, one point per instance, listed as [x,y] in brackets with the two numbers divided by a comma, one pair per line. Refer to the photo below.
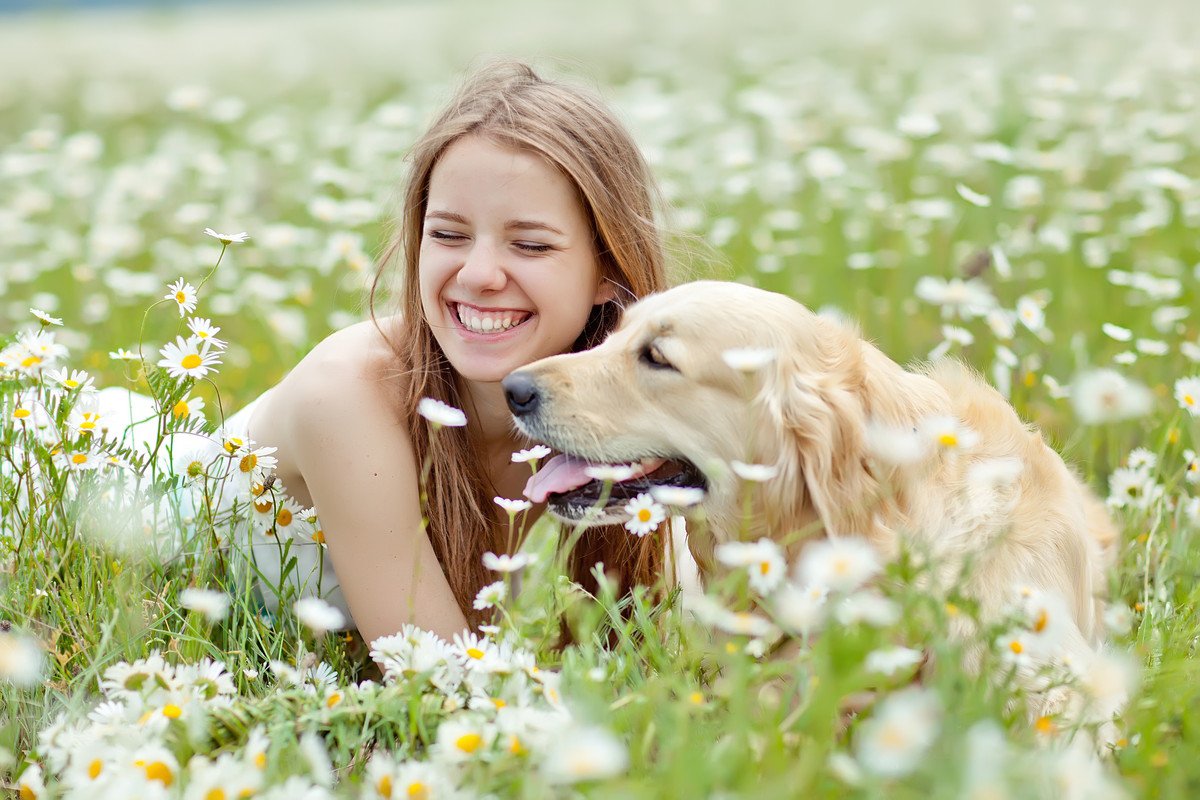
[487,412]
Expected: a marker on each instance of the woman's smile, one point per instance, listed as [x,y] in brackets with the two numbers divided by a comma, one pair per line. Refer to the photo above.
[480,324]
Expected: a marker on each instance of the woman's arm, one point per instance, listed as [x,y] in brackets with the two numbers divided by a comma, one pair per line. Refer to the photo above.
[357,462]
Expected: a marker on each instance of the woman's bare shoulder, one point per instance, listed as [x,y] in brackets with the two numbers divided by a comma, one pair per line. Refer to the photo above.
[346,372]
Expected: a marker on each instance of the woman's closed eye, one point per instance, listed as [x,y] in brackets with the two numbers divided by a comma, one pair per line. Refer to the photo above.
[446,236]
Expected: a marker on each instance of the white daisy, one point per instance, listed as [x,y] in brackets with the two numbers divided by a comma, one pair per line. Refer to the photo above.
[584,754]
[1191,466]
[842,564]
[677,496]
[228,238]
[441,414]
[81,460]
[763,561]
[512,506]
[1187,393]
[188,407]
[614,473]
[972,197]
[532,454]
[21,659]
[1031,315]
[508,563]
[490,595]
[755,473]
[1141,458]
[45,318]
[947,434]
[1116,332]
[461,738]
[903,727]
[800,610]
[892,660]
[121,354]
[645,515]
[184,295]
[320,617]
[748,359]
[187,359]
[73,381]
[204,330]
[1105,395]
[212,604]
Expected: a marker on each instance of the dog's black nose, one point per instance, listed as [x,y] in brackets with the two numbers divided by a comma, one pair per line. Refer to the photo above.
[520,390]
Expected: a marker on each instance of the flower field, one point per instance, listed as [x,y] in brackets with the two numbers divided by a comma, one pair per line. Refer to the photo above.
[1015,185]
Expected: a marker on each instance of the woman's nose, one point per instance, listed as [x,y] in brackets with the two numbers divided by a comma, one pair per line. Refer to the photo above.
[483,270]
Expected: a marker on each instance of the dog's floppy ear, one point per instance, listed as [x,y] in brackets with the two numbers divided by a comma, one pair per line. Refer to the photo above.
[815,397]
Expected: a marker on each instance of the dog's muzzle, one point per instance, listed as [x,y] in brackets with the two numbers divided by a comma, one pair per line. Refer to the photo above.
[521,393]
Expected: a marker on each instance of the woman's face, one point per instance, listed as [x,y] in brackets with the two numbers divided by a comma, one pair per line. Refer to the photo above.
[508,273]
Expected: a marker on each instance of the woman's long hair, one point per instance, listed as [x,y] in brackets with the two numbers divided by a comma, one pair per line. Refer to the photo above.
[573,130]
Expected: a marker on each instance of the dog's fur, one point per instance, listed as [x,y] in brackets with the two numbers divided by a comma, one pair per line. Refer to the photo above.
[1008,506]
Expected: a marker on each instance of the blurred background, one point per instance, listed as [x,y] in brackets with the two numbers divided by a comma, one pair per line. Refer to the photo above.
[837,152]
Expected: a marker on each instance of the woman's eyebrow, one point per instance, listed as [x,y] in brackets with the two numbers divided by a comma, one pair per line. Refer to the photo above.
[531,225]
[512,224]
[449,216]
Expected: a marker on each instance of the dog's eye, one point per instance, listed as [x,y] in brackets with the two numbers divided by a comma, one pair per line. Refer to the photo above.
[652,357]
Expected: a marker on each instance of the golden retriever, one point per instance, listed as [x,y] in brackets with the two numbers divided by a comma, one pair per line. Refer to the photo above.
[861,446]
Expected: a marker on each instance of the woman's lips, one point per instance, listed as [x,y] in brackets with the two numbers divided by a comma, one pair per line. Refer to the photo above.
[487,336]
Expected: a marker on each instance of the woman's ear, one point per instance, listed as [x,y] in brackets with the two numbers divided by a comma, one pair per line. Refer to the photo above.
[606,291]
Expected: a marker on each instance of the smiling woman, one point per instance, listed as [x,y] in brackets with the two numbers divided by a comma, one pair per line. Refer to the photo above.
[528,220]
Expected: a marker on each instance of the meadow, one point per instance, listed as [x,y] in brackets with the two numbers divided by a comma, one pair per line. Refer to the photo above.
[1015,185]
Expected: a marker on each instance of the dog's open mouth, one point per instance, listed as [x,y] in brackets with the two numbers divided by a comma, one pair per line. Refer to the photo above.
[572,487]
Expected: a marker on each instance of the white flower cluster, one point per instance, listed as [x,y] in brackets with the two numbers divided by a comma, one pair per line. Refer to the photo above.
[497,705]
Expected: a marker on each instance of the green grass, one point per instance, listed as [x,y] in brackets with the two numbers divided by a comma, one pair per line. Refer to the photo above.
[309,110]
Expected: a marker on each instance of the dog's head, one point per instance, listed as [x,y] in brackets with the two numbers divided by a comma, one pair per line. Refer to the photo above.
[657,394]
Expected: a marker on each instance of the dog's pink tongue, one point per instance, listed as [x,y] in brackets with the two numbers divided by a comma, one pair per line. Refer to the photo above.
[559,474]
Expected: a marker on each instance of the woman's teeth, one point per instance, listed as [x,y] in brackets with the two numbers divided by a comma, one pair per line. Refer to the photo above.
[489,321]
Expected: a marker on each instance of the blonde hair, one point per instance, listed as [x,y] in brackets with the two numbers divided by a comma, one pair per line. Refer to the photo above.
[574,131]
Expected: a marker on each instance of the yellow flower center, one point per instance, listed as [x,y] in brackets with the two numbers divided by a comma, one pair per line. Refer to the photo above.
[21,413]
[319,537]
[643,515]
[468,742]
[417,791]
[248,462]
[948,440]
[172,711]
[260,760]
[71,383]
[515,746]
[180,409]
[384,786]
[159,771]
[1016,646]
[264,506]
[499,702]
[284,517]
[1188,400]
[95,768]
[1042,620]
[333,700]
[233,443]
[764,567]
[79,458]
[215,794]
[841,566]
[696,699]
[27,792]
[31,361]
[1044,725]
[190,361]
[180,298]
[474,652]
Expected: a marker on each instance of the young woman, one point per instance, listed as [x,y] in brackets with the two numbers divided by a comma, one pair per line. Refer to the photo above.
[528,221]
